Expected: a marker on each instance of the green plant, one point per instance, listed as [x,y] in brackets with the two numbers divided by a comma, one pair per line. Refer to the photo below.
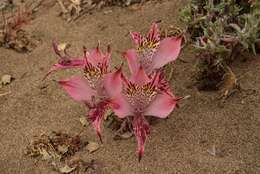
[220,29]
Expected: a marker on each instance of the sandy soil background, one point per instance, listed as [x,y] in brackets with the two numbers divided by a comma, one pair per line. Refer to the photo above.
[178,145]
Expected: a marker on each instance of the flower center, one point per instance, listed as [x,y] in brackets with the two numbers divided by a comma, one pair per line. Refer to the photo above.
[94,73]
[146,51]
[140,96]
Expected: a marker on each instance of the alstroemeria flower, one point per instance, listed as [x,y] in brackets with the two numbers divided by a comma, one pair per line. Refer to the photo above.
[89,89]
[151,52]
[141,96]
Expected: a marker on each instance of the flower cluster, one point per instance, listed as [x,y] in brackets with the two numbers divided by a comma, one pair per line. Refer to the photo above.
[145,93]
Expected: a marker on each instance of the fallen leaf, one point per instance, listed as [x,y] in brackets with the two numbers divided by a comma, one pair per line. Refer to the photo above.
[83,121]
[45,154]
[4,94]
[57,146]
[63,8]
[107,11]
[92,147]
[63,148]
[135,7]
[108,114]
[54,164]
[125,135]
[67,169]
[76,2]
[230,84]
[215,152]
[63,46]
[6,79]
[83,166]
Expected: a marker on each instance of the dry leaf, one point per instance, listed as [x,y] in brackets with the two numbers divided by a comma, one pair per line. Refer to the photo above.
[107,11]
[230,80]
[45,154]
[76,2]
[212,151]
[57,145]
[57,148]
[230,84]
[135,7]
[109,112]
[67,169]
[63,8]
[63,46]
[83,121]
[125,135]
[4,94]
[6,79]
[92,147]
[63,148]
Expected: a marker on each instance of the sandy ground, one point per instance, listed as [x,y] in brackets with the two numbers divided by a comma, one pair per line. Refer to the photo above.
[178,145]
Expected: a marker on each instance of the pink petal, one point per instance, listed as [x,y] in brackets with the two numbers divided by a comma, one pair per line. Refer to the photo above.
[140,78]
[168,51]
[155,78]
[72,63]
[106,59]
[65,61]
[78,88]
[132,61]
[142,130]
[163,84]
[154,33]
[161,106]
[137,37]
[120,106]
[96,115]
[113,83]
[100,89]
[96,56]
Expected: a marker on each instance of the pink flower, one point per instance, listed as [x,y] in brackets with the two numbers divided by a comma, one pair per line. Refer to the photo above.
[142,96]
[150,52]
[90,89]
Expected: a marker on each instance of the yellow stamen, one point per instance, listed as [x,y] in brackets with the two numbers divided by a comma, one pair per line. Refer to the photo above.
[147,45]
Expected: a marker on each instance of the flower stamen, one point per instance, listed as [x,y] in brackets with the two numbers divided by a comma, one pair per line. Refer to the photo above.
[140,96]
[93,74]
